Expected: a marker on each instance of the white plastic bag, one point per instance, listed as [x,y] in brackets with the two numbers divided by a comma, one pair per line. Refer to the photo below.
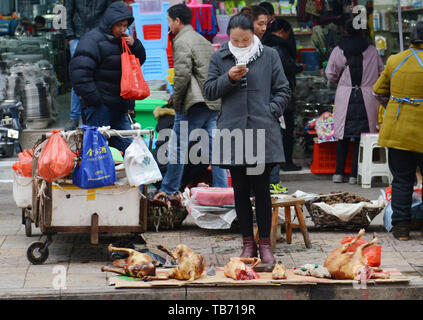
[208,217]
[140,166]
[22,190]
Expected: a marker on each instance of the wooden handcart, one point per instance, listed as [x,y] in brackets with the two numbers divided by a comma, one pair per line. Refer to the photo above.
[62,207]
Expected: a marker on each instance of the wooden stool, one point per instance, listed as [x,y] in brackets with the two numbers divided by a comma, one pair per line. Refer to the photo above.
[287,204]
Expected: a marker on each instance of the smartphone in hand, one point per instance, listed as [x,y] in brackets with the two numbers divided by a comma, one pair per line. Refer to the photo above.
[241,65]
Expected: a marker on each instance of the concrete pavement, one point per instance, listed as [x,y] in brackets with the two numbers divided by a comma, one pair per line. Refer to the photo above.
[80,261]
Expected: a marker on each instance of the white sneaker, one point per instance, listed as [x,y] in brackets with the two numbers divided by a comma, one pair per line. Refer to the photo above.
[338,178]
[352,180]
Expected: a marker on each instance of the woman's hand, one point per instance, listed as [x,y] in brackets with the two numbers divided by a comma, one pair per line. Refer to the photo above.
[236,73]
[129,39]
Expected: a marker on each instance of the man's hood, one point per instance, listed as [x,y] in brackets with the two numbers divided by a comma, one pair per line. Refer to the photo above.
[117,11]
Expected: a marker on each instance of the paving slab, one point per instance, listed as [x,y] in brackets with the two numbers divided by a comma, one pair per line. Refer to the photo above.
[11,284]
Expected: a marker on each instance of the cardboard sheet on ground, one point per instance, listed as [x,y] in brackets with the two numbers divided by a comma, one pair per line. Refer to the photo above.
[265,280]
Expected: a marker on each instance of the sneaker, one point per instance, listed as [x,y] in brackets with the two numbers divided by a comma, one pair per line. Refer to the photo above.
[401,230]
[277,188]
[352,180]
[338,178]
[72,125]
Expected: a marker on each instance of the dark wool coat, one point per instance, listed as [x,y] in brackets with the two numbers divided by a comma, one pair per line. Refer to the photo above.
[96,65]
[256,106]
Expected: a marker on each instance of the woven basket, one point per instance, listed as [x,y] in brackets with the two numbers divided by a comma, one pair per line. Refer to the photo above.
[162,218]
[326,221]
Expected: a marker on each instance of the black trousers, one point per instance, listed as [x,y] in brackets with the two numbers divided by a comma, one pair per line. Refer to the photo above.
[242,184]
[341,156]
[288,137]
[403,165]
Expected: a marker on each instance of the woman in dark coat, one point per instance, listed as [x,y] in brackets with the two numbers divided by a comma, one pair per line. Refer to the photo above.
[244,73]
[96,72]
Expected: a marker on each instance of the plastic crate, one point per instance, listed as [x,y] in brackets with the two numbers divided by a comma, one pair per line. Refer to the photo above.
[144,112]
[156,65]
[152,28]
[324,158]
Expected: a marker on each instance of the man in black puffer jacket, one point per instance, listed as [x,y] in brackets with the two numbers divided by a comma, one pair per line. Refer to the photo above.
[96,72]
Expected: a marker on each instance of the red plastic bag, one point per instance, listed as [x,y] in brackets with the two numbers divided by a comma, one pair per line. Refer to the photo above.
[24,165]
[56,159]
[132,83]
[372,253]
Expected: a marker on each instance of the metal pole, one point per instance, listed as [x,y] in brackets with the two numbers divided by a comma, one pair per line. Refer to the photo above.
[400,27]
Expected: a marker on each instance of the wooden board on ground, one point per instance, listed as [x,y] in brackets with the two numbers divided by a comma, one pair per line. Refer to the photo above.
[265,280]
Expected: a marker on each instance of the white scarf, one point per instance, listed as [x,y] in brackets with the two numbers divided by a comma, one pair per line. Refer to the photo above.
[248,54]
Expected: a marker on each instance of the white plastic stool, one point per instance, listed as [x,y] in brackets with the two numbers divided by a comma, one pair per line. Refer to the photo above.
[367,167]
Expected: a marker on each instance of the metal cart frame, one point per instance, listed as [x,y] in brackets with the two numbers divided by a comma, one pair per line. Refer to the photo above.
[41,212]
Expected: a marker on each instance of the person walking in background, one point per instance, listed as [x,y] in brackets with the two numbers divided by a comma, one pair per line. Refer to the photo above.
[400,90]
[81,17]
[96,72]
[191,58]
[280,32]
[259,15]
[270,17]
[249,79]
[355,66]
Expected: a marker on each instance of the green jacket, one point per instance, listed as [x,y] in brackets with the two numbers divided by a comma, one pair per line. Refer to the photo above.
[191,59]
[402,129]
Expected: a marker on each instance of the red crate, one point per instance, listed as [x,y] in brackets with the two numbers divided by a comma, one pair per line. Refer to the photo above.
[324,158]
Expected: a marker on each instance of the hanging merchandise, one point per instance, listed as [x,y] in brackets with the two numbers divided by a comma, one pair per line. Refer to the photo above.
[325,128]
[311,8]
[132,84]
[140,166]
[381,44]
[203,19]
[56,159]
[97,168]
[376,20]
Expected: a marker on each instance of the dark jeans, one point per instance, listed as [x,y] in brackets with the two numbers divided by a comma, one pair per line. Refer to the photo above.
[105,116]
[403,165]
[288,140]
[242,183]
[341,156]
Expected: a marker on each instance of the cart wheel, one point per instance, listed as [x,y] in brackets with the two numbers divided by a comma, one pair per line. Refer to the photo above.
[28,227]
[34,255]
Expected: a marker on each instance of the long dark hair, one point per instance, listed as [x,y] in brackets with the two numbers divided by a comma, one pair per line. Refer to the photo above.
[417,35]
[354,43]
[241,21]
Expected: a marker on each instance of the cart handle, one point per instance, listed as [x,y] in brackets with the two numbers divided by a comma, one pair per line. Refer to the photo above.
[107,132]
